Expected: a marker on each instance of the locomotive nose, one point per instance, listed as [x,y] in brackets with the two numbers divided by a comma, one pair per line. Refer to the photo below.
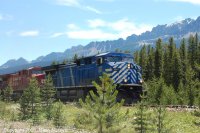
[126,73]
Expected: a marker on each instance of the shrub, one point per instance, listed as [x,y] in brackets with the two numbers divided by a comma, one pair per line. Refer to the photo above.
[102,107]
[59,119]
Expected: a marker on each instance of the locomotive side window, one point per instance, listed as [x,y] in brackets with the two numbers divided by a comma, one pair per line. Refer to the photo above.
[128,59]
[114,59]
[99,61]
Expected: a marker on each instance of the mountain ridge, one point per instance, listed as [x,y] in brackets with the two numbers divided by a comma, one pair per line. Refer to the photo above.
[178,30]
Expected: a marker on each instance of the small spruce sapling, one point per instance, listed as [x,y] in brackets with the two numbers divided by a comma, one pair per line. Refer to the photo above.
[103,108]
[7,94]
[47,95]
[58,115]
[142,121]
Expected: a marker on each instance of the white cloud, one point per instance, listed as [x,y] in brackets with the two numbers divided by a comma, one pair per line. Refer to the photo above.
[57,34]
[72,27]
[76,3]
[89,8]
[103,30]
[96,23]
[90,34]
[29,33]
[123,26]
[196,2]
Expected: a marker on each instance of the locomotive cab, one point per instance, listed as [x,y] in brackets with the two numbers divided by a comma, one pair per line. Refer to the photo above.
[120,67]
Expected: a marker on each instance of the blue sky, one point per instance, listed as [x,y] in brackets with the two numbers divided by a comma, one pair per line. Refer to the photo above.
[31,28]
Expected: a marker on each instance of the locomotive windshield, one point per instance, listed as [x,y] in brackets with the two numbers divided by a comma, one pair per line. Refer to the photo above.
[119,59]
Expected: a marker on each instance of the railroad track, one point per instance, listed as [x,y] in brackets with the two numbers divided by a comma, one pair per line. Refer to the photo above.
[170,107]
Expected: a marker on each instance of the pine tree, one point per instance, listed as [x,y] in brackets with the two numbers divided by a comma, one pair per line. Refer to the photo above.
[1,97]
[184,60]
[172,48]
[159,91]
[183,51]
[192,50]
[136,57]
[160,120]
[47,95]
[59,119]
[168,96]
[30,102]
[24,107]
[171,59]
[54,63]
[158,59]
[190,85]
[177,71]
[166,65]
[196,43]
[198,60]
[182,98]
[143,60]
[150,64]
[7,94]
[102,106]
[75,57]
[142,122]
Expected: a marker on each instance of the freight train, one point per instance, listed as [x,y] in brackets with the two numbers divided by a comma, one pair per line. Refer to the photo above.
[20,80]
[74,80]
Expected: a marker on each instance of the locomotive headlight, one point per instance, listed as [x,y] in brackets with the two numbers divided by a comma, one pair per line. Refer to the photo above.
[129,66]
[141,81]
[125,80]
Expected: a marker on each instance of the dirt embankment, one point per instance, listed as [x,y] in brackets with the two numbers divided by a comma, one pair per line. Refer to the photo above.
[25,127]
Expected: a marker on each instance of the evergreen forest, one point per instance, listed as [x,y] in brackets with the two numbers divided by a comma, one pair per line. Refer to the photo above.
[171,71]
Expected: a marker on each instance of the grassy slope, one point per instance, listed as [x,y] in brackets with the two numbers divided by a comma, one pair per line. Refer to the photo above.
[180,122]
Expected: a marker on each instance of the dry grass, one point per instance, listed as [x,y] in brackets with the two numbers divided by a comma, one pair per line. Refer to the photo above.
[26,127]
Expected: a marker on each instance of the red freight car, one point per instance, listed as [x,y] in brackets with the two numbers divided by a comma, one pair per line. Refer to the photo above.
[4,81]
[20,80]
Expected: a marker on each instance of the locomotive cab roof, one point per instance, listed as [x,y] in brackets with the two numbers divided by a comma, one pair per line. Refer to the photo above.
[114,54]
[86,60]
[107,54]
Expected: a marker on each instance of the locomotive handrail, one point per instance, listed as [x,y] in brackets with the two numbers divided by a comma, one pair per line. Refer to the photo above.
[66,87]
[130,85]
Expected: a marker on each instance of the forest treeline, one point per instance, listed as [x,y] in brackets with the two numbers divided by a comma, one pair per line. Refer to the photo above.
[171,71]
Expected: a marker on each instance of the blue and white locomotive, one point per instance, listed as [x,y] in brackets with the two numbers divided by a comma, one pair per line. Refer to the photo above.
[73,81]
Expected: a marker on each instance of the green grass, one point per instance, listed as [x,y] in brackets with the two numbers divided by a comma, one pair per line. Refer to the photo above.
[183,122]
[178,121]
